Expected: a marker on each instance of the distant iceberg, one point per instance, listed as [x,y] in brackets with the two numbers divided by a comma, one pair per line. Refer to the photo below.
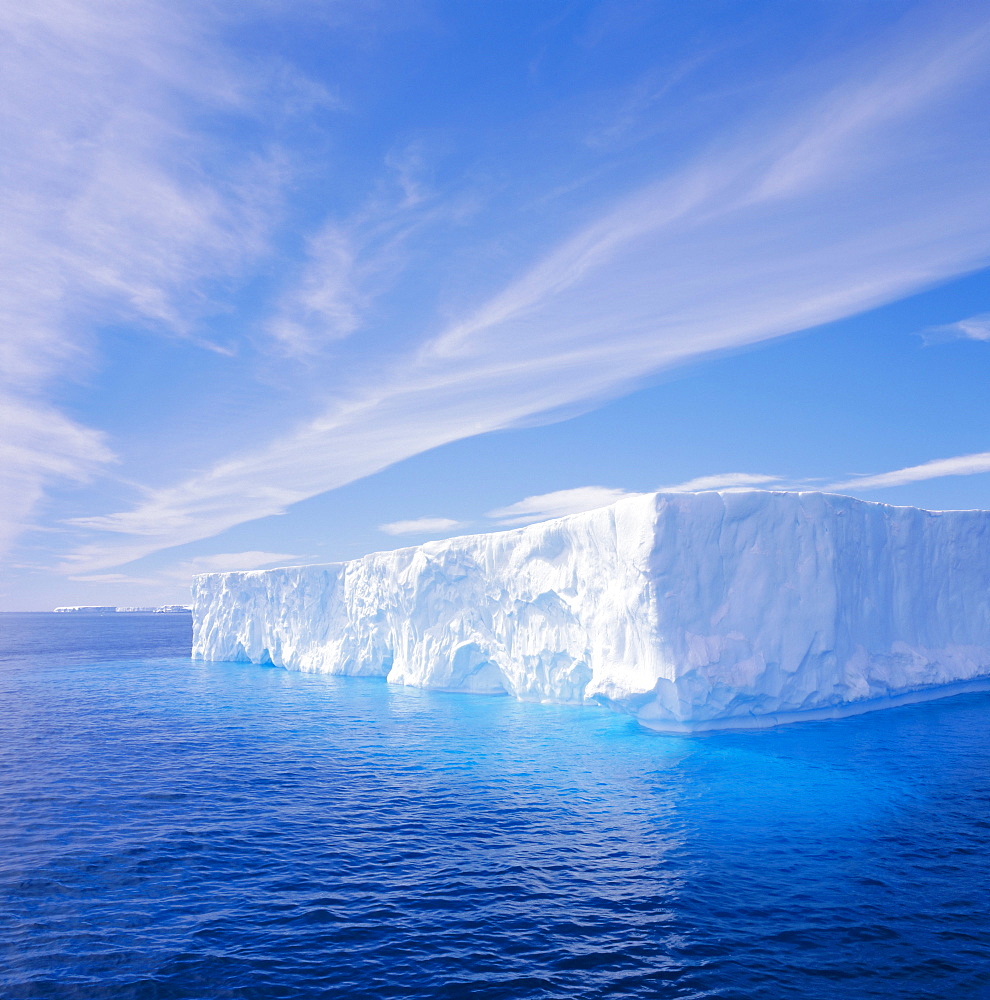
[100,609]
[87,609]
[690,611]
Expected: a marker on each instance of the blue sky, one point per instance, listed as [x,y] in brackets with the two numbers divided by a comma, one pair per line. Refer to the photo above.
[293,281]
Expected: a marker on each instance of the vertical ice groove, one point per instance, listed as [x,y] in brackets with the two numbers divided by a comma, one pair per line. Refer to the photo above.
[692,611]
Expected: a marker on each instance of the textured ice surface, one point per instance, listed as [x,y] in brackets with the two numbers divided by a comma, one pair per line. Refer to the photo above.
[691,611]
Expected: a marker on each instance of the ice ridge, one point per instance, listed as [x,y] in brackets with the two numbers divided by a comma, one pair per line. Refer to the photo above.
[691,611]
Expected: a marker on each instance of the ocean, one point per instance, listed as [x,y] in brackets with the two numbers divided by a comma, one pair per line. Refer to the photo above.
[179,829]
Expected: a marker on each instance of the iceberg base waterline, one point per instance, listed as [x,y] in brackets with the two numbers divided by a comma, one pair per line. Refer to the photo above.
[843,711]
[690,611]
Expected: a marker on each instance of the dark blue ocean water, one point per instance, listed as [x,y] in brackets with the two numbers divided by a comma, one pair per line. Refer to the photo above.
[171,829]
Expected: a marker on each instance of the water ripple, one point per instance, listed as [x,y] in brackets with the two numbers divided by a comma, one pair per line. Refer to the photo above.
[172,830]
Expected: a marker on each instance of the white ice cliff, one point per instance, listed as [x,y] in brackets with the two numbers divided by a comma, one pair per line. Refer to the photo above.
[691,611]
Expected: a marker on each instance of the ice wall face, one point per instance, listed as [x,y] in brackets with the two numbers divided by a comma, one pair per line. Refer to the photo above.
[690,611]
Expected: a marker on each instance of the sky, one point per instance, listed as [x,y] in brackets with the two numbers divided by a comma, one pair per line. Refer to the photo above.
[285,281]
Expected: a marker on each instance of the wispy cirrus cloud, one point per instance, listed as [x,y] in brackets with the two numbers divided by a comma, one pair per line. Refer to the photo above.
[582,498]
[112,206]
[328,300]
[557,504]
[114,578]
[183,573]
[421,526]
[39,445]
[852,199]
[226,562]
[961,465]
[725,481]
[973,328]
[351,262]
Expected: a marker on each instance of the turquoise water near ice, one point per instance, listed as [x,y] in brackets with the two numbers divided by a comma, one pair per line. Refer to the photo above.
[176,829]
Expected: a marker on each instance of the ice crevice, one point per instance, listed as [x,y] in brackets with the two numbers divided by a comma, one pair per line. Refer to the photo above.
[690,611]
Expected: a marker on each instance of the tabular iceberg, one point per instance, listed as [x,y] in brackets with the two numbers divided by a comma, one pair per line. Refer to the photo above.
[691,611]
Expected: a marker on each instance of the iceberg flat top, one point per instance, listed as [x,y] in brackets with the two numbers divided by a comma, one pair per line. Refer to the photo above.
[689,610]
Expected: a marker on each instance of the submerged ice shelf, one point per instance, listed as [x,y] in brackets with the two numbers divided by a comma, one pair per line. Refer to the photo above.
[691,611]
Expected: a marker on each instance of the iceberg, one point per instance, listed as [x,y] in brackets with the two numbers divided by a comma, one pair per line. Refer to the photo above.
[94,609]
[86,609]
[690,611]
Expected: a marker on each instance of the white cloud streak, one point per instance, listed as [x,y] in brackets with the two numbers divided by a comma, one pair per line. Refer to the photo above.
[39,445]
[182,574]
[973,328]
[857,199]
[557,504]
[108,210]
[350,263]
[582,498]
[961,465]
[105,204]
[112,578]
[229,562]
[421,526]
[726,482]
[327,302]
